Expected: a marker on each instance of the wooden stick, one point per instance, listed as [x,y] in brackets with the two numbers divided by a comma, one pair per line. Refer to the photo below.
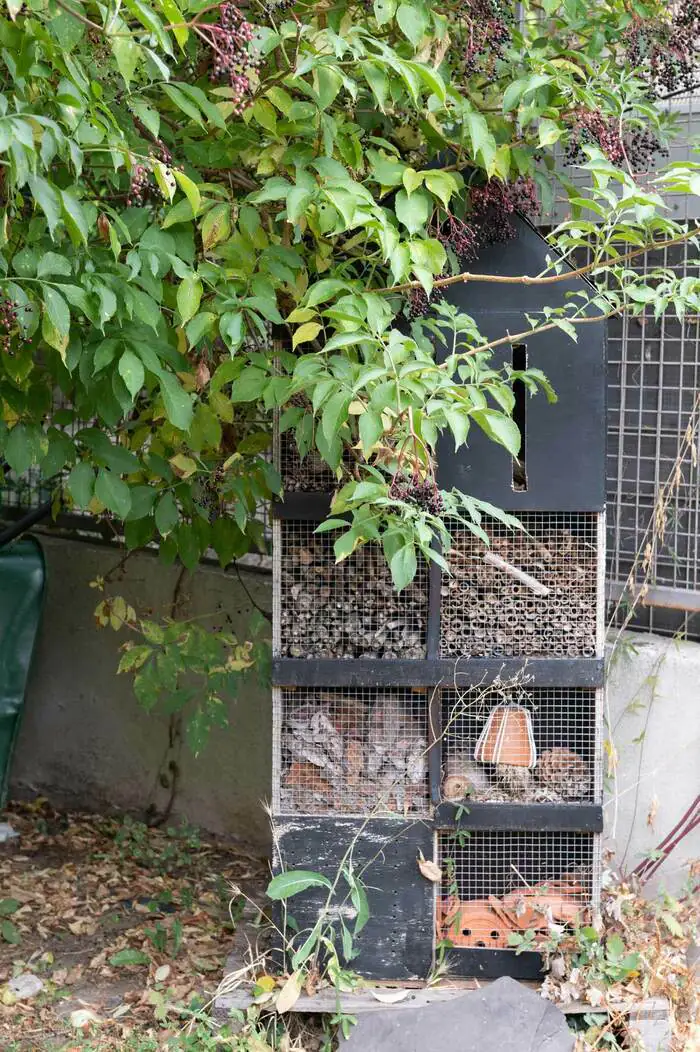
[536,586]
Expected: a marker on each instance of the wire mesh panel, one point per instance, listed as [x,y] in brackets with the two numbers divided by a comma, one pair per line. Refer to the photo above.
[486,610]
[653,446]
[343,610]
[496,885]
[352,751]
[535,745]
[302,474]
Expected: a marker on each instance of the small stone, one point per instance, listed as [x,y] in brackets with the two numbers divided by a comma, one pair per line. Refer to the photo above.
[25,986]
[7,833]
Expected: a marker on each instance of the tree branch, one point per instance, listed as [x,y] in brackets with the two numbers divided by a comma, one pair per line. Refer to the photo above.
[551,279]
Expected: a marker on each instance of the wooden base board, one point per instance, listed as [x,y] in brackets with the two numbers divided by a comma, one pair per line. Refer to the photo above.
[379,996]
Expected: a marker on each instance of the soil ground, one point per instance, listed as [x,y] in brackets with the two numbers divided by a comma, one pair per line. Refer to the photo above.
[125,926]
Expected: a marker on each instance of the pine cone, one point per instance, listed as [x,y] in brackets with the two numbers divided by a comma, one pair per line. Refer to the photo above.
[564,772]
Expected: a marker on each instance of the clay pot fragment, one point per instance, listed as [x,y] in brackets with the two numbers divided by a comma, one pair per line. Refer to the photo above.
[507,738]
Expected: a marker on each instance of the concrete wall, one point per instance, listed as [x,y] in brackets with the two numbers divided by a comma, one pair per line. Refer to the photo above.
[653,699]
[86,743]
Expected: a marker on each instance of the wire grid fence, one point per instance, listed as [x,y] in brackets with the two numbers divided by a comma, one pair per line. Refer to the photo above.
[497,884]
[653,382]
[564,725]
[349,609]
[351,751]
[487,612]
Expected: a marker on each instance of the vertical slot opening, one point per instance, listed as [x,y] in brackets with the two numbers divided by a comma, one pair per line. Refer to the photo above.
[519,364]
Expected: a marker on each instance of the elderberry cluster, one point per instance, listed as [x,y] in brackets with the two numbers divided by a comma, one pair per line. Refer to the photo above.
[664,49]
[487,33]
[140,187]
[422,492]
[233,57]
[641,147]
[637,146]
[460,237]
[493,204]
[9,323]
[594,128]
[419,302]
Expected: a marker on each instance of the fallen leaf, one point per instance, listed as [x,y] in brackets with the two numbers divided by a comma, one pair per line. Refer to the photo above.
[83,1018]
[429,869]
[289,994]
[162,973]
[389,997]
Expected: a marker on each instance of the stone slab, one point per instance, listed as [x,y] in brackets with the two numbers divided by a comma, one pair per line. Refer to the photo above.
[504,1017]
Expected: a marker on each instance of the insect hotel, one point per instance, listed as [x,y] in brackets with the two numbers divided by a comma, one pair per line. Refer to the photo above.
[460,719]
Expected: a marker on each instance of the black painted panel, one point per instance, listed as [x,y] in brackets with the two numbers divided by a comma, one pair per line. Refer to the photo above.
[566,440]
[397,942]
[376,672]
[574,818]
[492,964]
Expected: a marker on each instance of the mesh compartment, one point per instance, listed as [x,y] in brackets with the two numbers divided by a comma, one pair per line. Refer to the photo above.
[352,751]
[344,610]
[487,612]
[496,885]
[302,475]
[564,726]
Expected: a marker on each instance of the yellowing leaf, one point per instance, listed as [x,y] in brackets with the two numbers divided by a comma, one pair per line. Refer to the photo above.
[266,982]
[183,466]
[305,333]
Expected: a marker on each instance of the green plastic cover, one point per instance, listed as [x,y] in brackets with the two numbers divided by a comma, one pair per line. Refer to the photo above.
[22,577]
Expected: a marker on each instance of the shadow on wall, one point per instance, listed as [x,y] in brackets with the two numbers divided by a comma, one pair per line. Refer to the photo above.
[86,743]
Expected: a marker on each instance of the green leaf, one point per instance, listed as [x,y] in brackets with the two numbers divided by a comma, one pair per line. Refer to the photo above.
[413,20]
[178,404]
[371,429]
[189,295]
[56,320]
[8,907]
[127,53]
[74,217]
[413,211]
[384,11]
[113,492]
[249,386]
[167,515]
[10,933]
[132,372]
[403,565]
[51,263]
[500,428]
[81,483]
[284,885]
[549,132]
[190,190]
[48,200]
[20,448]
[127,957]
[232,329]
[483,142]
